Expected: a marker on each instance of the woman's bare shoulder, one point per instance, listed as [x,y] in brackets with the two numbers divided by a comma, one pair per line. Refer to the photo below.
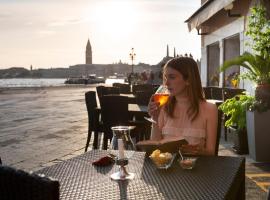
[208,107]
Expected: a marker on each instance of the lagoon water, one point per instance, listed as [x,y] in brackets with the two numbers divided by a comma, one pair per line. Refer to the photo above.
[42,82]
[28,82]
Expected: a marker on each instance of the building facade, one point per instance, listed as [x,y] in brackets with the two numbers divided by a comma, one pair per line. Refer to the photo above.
[221,24]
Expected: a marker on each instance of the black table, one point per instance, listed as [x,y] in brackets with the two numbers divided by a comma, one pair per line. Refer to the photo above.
[212,178]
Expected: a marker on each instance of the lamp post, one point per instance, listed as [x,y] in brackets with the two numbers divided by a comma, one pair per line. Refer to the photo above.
[132,57]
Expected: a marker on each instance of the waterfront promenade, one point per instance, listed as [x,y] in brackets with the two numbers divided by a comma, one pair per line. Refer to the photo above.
[42,126]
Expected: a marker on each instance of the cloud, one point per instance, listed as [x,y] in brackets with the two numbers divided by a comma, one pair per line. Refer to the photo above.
[4,16]
[29,23]
[66,22]
[44,33]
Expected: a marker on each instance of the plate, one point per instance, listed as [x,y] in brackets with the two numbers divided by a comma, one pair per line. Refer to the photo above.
[166,166]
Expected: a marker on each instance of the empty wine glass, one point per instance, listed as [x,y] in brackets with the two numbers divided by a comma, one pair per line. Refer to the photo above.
[161,96]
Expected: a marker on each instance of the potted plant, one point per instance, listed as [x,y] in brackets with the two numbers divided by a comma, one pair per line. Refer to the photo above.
[235,110]
[257,65]
[258,62]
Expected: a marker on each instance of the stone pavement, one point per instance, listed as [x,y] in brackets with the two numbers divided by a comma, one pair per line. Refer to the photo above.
[43,126]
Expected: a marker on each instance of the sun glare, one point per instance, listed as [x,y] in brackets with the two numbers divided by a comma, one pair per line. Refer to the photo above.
[116,18]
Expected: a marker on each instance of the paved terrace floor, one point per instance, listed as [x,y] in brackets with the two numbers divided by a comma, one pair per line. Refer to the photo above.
[43,126]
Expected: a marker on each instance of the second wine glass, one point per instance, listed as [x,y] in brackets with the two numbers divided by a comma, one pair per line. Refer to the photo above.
[161,96]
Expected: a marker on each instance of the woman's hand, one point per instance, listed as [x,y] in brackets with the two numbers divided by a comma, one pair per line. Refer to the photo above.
[193,149]
[153,108]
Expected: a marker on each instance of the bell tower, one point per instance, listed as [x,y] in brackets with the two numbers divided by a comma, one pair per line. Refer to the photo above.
[88,53]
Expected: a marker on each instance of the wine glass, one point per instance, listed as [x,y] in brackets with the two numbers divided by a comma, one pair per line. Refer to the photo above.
[161,96]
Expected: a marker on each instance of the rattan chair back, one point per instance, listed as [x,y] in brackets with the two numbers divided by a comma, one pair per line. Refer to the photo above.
[94,125]
[20,185]
[142,87]
[229,93]
[218,131]
[114,112]
[124,88]
[217,93]
[143,97]
[207,92]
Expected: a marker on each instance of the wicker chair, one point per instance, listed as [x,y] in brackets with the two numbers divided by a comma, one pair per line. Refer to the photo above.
[143,97]
[94,125]
[20,185]
[207,92]
[218,131]
[217,93]
[142,87]
[111,90]
[229,93]
[99,90]
[124,88]
[114,112]
[104,90]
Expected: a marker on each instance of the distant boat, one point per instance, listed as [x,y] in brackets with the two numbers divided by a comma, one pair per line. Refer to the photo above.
[91,79]
[116,78]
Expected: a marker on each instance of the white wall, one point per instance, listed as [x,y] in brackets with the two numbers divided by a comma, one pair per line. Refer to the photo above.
[238,26]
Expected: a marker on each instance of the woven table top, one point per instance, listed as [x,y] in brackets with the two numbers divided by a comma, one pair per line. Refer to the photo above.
[212,178]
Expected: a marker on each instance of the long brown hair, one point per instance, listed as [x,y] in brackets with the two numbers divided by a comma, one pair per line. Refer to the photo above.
[190,72]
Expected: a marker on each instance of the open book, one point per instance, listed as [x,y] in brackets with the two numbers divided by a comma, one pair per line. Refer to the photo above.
[164,145]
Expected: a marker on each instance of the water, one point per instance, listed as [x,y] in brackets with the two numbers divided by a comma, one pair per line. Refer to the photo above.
[28,82]
[42,82]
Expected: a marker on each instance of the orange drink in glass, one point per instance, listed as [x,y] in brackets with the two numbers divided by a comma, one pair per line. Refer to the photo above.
[161,98]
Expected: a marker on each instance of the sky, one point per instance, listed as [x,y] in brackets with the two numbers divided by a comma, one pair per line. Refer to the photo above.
[54,33]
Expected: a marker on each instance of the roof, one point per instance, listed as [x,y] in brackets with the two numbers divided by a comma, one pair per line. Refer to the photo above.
[205,12]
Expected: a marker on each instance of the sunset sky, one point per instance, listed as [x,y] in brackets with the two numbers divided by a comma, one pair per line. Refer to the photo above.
[54,33]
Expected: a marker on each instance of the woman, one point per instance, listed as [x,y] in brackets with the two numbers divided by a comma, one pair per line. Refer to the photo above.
[186,114]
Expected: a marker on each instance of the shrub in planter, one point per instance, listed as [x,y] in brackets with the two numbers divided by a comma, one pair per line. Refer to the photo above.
[235,109]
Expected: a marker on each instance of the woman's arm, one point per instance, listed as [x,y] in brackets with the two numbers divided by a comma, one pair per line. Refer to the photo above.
[211,113]
[154,112]
[155,132]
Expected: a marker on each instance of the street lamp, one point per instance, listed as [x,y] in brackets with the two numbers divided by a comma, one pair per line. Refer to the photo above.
[132,57]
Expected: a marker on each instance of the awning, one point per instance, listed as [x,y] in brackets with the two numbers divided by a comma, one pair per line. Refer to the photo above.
[207,10]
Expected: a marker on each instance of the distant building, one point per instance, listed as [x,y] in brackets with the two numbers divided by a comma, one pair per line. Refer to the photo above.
[88,53]
[77,70]
[106,69]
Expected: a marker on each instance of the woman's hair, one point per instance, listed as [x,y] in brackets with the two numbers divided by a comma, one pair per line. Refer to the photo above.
[190,72]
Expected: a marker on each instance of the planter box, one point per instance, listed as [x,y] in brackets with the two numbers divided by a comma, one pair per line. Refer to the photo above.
[258,130]
[240,140]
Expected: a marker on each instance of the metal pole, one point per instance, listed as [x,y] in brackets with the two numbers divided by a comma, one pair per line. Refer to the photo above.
[132,57]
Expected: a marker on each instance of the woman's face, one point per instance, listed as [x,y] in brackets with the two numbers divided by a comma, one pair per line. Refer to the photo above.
[175,82]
